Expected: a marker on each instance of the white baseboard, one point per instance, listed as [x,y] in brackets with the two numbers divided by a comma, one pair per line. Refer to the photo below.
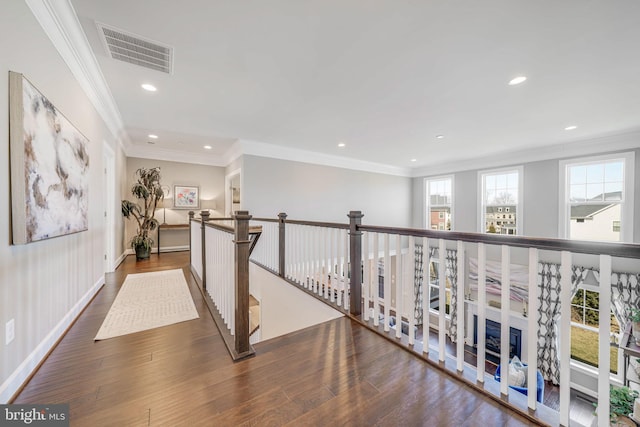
[173,248]
[119,260]
[162,250]
[584,390]
[20,375]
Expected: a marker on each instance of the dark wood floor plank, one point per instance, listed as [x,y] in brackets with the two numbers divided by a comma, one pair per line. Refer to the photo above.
[335,373]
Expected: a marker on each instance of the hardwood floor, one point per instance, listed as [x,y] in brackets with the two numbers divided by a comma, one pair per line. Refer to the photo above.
[337,373]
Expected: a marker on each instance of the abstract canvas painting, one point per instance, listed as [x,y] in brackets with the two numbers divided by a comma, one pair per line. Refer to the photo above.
[49,167]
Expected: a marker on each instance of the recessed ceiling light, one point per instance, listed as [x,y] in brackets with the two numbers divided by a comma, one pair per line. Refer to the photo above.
[342,144]
[207,147]
[149,87]
[439,136]
[152,136]
[572,127]
[414,160]
[517,80]
[151,142]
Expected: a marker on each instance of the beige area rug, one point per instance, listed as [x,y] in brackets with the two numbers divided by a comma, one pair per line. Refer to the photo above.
[147,301]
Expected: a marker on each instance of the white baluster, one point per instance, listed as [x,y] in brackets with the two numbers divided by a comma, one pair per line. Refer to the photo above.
[336,265]
[482,307]
[292,251]
[308,237]
[426,259]
[460,307]
[376,279]
[366,275]
[316,257]
[323,278]
[387,282]
[565,334]
[604,355]
[505,294]
[442,297]
[410,283]
[532,343]
[327,257]
[398,286]
[344,288]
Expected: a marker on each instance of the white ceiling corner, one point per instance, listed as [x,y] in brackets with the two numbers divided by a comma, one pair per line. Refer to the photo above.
[60,23]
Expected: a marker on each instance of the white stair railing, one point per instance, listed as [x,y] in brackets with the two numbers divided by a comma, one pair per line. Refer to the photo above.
[318,259]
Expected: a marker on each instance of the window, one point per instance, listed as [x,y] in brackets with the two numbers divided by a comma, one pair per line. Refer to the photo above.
[585,318]
[439,201]
[500,191]
[597,198]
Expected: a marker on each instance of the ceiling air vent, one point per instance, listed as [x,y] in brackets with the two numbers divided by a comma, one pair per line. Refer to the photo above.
[136,50]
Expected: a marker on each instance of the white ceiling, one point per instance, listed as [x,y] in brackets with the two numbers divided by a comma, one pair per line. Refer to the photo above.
[383,76]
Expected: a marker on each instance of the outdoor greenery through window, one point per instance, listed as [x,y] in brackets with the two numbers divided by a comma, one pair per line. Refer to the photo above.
[439,200]
[595,198]
[500,202]
[585,320]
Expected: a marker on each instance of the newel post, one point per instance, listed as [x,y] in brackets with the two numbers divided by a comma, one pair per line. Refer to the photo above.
[242,249]
[355,262]
[204,218]
[281,242]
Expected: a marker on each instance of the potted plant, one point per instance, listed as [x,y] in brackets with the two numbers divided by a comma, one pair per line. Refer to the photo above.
[635,323]
[148,191]
[621,404]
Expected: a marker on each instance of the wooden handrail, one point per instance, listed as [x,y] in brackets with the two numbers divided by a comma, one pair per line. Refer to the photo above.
[622,250]
[310,223]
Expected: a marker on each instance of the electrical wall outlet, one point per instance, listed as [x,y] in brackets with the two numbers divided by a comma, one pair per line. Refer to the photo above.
[9,332]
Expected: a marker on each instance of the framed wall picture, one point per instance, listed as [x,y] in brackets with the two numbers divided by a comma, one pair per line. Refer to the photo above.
[186,197]
[49,167]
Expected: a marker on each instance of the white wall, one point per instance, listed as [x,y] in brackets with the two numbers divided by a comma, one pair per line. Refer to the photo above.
[322,193]
[43,285]
[210,180]
[284,308]
[539,205]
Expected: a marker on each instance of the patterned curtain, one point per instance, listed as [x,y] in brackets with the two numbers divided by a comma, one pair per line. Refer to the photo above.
[548,314]
[417,284]
[418,281]
[451,272]
[625,294]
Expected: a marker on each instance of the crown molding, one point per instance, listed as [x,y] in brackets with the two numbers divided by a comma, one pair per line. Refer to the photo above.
[585,147]
[262,149]
[233,152]
[59,21]
[155,153]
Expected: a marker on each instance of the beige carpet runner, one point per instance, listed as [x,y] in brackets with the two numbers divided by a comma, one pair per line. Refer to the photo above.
[147,301]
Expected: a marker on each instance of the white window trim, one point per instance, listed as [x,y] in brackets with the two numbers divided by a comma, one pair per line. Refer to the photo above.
[593,370]
[427,204]
[626,214]
[519,211]
[446,290]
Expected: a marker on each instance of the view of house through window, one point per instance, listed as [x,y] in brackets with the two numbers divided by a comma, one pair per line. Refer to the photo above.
[595,198]
[439,200]
[500,202]
[585,318]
